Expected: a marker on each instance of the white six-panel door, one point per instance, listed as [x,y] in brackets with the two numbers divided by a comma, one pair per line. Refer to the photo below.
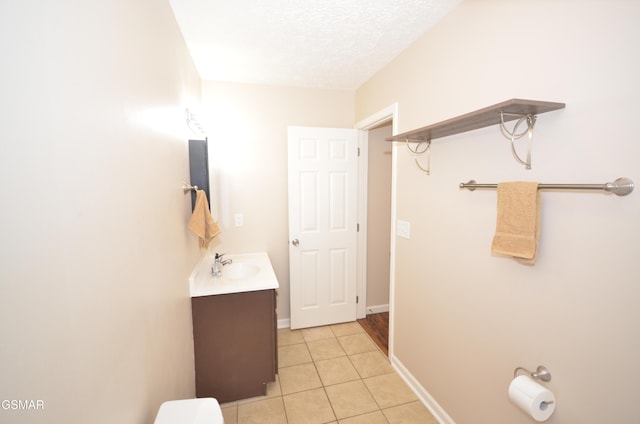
[323,167]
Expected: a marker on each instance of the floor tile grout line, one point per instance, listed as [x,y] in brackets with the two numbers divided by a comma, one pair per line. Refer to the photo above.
[284,408]
[331,404]
[323,385]
[324,389]
[361,379]
[348,356]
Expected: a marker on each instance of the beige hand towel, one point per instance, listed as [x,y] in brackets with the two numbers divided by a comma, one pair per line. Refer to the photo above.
[518,223]
[201,222]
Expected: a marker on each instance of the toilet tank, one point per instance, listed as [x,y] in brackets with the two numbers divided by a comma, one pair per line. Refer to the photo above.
[190,411]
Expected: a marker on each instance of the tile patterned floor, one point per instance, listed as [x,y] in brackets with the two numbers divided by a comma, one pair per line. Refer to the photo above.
[331,375]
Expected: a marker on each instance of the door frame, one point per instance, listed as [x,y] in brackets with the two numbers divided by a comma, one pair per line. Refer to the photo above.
[390,113]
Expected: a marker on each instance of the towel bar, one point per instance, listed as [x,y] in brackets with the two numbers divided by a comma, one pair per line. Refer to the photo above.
[621,186]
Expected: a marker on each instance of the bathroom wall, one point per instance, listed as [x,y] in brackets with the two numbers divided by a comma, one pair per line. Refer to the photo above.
[247,127]
[464,318]
[95,317]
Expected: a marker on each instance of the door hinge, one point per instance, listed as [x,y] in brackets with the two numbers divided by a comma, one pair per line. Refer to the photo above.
[357,300]
[357,228]
[358,152]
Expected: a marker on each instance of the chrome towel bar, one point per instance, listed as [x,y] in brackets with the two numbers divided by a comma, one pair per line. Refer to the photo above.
[621,186]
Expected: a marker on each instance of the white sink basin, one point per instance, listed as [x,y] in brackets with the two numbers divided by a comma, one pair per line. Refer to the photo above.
[246,272]
[240,270]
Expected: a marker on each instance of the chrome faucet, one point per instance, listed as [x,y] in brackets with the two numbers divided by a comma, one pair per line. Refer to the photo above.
[218,263]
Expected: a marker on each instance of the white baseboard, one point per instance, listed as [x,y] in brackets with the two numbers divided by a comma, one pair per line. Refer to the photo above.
[436,410]
[377,309]
[284,323]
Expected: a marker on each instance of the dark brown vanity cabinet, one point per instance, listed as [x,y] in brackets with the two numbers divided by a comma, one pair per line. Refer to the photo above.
[234,337]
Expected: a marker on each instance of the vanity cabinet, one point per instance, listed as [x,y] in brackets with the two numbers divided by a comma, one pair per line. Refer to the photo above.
[235,346]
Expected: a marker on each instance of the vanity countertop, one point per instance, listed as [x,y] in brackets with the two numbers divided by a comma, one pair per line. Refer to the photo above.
[247,272]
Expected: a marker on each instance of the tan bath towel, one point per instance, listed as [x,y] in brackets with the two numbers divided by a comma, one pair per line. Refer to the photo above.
[201,222]
[518,223]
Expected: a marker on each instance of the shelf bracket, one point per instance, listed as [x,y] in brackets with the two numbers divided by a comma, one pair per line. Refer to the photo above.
[418,151]
[514,135]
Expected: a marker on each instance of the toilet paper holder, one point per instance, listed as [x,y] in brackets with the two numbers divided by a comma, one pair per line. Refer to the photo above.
[541,373]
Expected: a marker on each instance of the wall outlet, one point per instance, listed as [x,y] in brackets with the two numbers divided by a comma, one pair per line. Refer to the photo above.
[403,229]
[238,219]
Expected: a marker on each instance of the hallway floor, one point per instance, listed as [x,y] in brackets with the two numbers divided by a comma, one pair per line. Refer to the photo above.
[332,374]
[377,327]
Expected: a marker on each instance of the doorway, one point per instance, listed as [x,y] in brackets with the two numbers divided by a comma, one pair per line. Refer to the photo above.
[386,122]
[376,322]
[377,242]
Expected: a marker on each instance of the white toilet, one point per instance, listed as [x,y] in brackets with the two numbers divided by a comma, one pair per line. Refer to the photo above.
[190,411]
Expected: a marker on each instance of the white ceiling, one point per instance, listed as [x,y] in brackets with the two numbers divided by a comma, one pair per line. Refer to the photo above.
[337,44]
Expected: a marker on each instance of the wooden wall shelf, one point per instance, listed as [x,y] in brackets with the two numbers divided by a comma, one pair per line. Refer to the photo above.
[479,119]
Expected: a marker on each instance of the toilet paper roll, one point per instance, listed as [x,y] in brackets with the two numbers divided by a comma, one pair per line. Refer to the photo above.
[532,398]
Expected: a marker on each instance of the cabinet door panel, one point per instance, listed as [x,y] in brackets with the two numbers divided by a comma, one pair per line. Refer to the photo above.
[234,345]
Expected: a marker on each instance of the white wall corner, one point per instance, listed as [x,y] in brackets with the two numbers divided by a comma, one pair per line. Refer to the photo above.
[429,402]
[284,323]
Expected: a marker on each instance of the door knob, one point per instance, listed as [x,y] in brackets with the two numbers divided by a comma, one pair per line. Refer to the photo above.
[295,242]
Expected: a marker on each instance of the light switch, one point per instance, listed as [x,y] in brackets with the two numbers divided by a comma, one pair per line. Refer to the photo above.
[403,229]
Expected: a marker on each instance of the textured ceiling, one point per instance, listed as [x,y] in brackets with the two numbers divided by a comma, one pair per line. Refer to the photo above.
[309,43]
